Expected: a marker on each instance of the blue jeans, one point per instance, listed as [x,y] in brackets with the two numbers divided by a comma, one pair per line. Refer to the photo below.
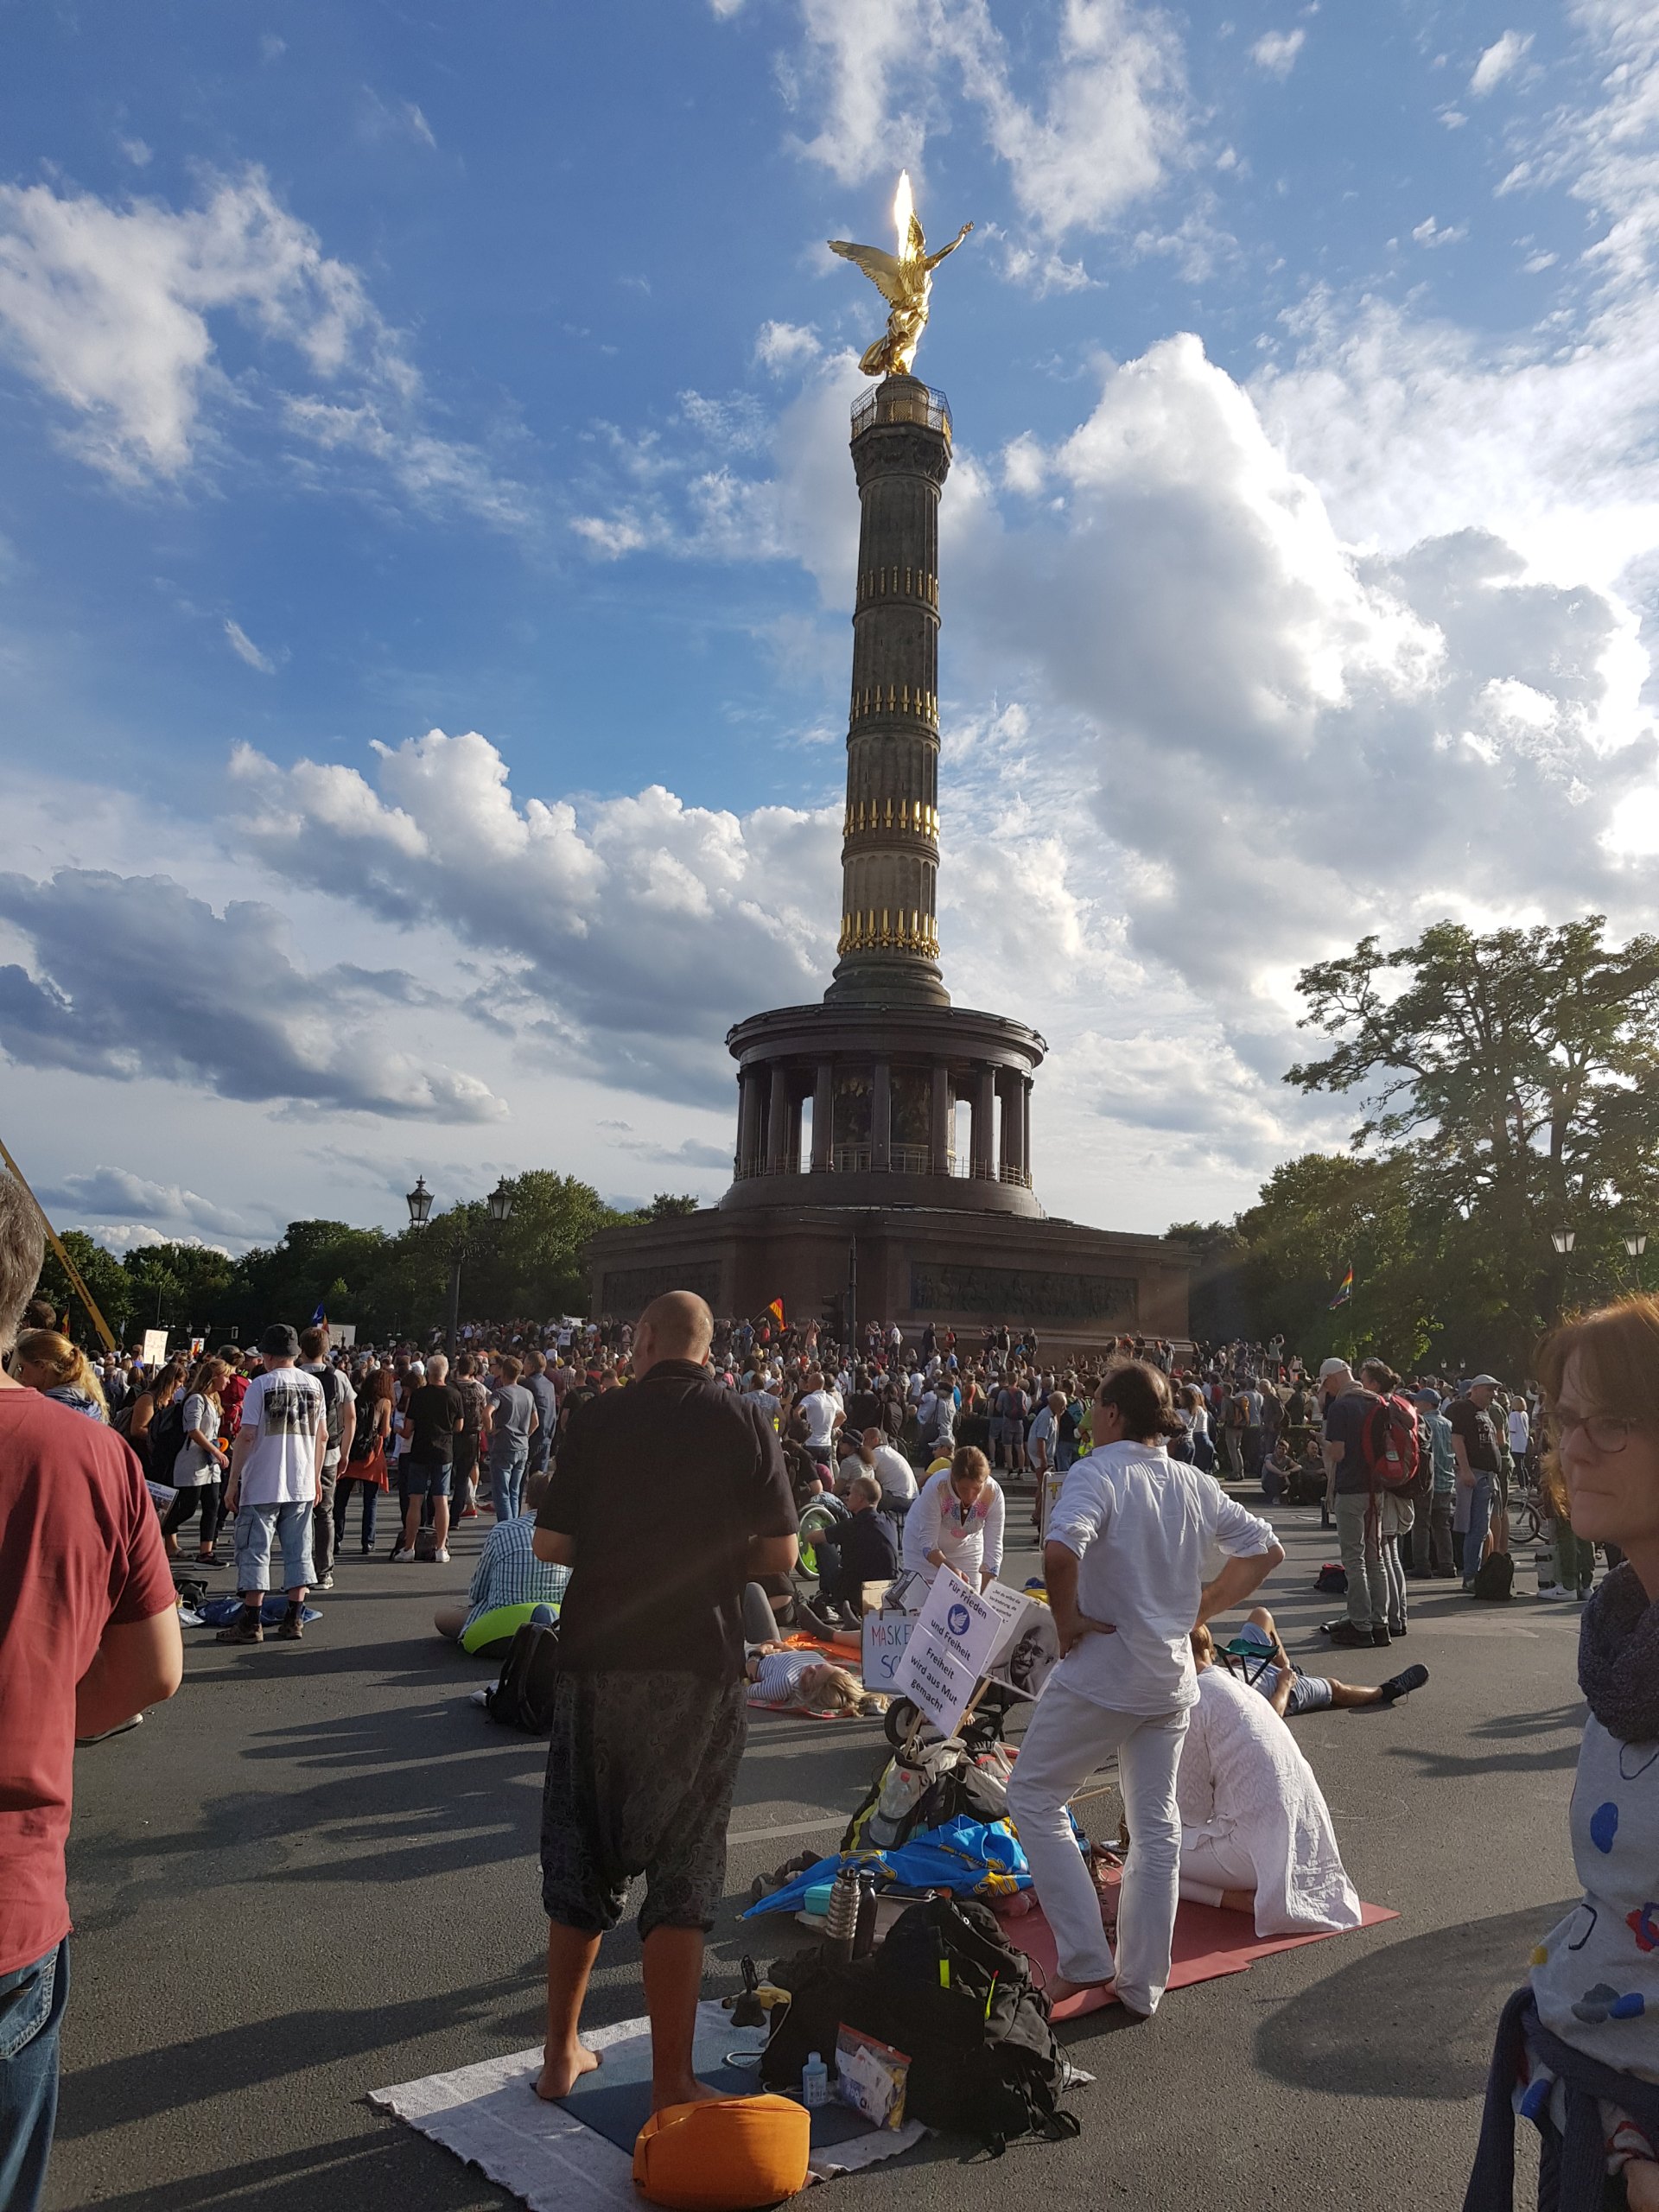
[31,2019]
[289,1525]
[1482,1497]
[507,1482]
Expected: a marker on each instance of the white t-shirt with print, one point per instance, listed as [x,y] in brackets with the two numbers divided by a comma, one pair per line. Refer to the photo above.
[283,1412]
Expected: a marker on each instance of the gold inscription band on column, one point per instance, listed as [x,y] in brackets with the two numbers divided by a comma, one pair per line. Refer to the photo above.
[914,816]
[899,583]
[896,700]
[884,931]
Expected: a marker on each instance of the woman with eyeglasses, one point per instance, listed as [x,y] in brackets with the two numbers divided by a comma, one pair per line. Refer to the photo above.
[1578,2047]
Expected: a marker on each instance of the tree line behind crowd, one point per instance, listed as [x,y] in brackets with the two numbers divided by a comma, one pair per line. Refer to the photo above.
[389,1284]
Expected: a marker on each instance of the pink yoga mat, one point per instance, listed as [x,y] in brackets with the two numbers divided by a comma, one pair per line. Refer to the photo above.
[1209,1943]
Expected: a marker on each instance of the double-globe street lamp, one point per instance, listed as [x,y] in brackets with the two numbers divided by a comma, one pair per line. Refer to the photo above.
[419,1202]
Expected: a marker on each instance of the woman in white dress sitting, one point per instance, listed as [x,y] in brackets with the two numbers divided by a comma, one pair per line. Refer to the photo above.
[1255,1831]
[956,1522]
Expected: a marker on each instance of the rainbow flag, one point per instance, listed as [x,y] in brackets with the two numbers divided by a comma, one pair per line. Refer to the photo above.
[1345,1290]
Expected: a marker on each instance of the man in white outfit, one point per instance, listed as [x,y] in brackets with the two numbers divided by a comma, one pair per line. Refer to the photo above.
[1126,1550]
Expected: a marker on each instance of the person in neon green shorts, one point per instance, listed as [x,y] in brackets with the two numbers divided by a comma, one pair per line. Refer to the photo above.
[508,1584]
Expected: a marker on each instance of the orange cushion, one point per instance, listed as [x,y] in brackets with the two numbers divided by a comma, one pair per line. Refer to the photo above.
[732,2155]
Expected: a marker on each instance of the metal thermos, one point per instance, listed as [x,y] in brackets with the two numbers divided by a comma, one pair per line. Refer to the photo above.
[841,1922]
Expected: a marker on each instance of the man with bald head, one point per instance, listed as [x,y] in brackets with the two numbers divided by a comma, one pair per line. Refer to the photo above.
[668,1498]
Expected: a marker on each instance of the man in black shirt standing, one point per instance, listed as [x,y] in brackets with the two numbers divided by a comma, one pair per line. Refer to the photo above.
[433,1422]
[667,1498]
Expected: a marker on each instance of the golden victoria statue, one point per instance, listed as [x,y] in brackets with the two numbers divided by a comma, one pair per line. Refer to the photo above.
[905,280]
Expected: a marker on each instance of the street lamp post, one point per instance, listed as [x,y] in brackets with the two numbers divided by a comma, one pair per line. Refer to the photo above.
[499,1202]
[1636,1244]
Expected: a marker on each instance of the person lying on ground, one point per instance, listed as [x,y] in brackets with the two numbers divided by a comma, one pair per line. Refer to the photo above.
[1256,1835]
[508,1582]
[805,1683]
[1288,1690]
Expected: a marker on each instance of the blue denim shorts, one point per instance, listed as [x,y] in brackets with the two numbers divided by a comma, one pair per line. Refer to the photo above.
[426,1477]
[289,1526]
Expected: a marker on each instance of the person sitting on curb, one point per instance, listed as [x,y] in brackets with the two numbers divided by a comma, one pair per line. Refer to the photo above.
[508,1584]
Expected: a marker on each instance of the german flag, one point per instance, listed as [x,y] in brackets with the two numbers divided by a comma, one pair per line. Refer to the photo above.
[1344,1289]
[776,1310]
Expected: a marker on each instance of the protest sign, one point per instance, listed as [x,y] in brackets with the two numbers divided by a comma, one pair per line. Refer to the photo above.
[885,1636]
[155,1347]
[955,1634]
[1024,1662]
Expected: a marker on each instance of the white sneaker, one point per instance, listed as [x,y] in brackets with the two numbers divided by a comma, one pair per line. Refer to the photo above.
[403,1551]
[1557,1595]
[442,1558]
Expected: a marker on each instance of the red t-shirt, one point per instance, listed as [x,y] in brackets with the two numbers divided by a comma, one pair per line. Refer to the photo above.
[80,1547]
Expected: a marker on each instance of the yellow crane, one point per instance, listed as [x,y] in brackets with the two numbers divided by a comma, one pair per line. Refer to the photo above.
[68,1265]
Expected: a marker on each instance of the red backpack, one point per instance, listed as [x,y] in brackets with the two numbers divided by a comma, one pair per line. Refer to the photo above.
[1388,1445]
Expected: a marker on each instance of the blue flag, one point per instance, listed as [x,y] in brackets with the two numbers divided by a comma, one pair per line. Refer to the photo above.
[320,1319]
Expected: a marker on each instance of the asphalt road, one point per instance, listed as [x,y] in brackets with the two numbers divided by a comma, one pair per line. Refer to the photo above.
[314,1874]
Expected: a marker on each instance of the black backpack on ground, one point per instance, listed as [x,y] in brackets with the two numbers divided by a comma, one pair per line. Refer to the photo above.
[950,1990]
[522,1697]
[163,1441]
[1495,1579]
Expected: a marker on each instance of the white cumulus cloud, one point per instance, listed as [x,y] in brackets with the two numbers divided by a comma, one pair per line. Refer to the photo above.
[1276,51]
[1501,60]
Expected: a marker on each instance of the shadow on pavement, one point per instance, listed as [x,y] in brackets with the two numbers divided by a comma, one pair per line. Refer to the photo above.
[1411,2020]
[386,2171]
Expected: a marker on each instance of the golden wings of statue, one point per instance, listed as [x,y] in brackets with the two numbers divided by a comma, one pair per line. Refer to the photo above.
[905,280]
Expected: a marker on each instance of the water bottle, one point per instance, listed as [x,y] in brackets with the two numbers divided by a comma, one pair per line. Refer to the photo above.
[841,1922]
[815,2082]
[864,1929]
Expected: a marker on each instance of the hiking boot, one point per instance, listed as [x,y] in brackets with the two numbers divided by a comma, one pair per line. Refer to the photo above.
[293,1627]
[1381,1638]
[1352,1638]
[246,1628]
[1402,1684]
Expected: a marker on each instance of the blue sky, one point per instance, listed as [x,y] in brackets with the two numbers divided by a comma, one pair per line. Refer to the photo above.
[426,535]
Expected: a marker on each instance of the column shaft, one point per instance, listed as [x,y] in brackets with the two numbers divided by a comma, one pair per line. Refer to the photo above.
[777,1120]
[939,1123]
[823,1109]
[881,1119]
[748,1101]
[984,1138]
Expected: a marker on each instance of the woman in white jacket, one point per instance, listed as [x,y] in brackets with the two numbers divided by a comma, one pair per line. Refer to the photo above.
[1255,1831]
[956,1522]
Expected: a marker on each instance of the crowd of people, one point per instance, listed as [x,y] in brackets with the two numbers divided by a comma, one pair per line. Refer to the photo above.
[910,1452]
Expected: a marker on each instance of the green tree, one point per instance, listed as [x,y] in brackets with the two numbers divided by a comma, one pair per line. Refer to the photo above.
[666,1207]
[179,1286]
[1514,1078]
[104,1276]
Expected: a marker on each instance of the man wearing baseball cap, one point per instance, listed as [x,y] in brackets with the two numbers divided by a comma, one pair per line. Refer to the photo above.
[276,1467]
[1474,1440]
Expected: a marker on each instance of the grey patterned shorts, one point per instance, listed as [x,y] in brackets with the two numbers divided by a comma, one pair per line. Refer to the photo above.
[641,1772]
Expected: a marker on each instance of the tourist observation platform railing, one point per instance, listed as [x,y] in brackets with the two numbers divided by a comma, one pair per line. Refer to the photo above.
[911,402]
[902,1160]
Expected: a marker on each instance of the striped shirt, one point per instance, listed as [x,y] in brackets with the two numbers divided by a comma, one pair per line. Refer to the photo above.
[508,1574]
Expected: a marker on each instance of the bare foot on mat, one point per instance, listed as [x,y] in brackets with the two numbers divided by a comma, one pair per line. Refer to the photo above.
[689,2092]
[559,2077]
